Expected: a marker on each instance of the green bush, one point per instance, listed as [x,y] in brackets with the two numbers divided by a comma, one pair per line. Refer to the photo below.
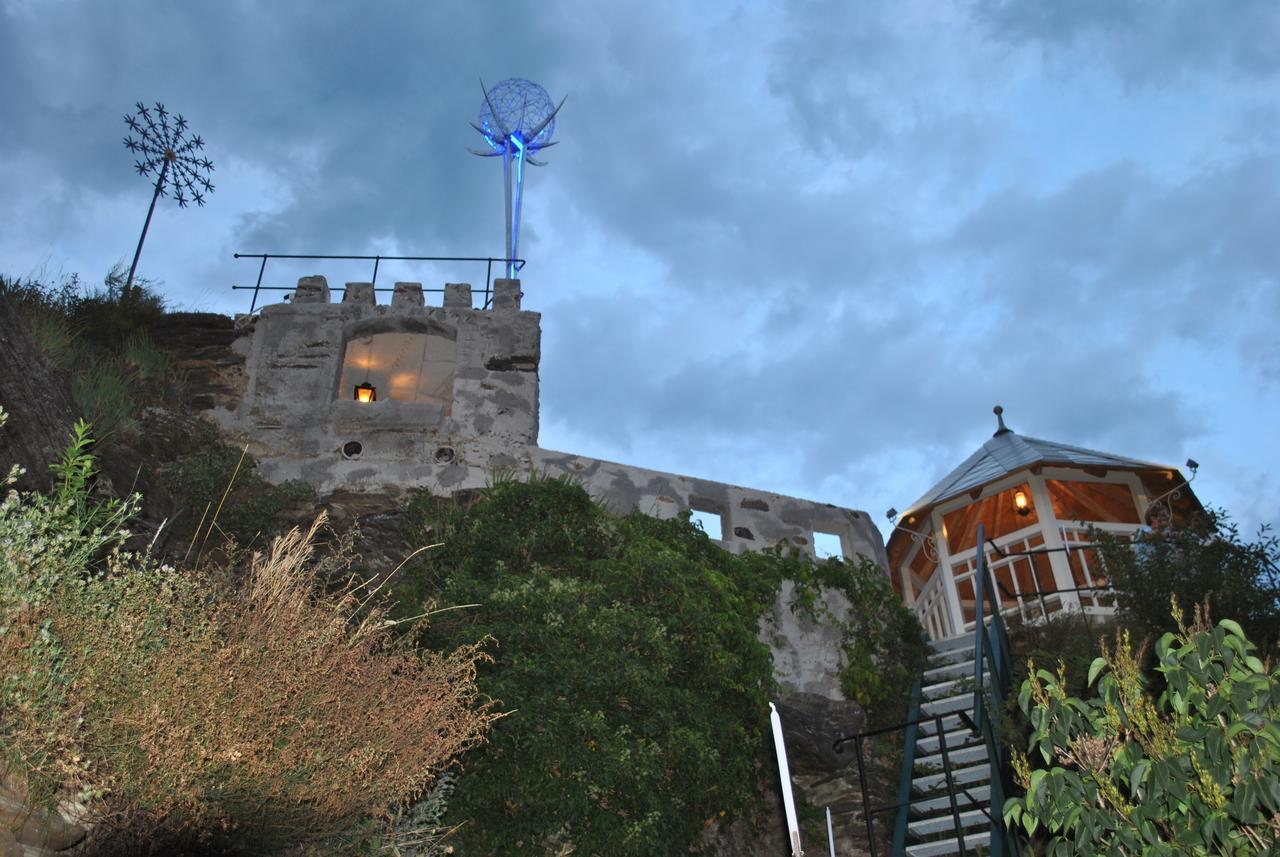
[100,341]
[224,498]
[1194,771]
[1205,558]
[628,650]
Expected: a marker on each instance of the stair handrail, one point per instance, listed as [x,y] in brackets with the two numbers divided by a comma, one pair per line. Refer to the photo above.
[908,770]
[906,784]
[991,647]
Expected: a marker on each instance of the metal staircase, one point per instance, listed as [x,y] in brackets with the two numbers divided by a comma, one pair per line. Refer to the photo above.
[955,773]
[949,796]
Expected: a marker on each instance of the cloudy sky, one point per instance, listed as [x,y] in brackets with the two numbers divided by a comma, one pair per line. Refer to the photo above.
[803,247]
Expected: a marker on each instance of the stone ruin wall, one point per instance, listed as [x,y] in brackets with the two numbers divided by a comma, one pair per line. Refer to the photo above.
[299,425]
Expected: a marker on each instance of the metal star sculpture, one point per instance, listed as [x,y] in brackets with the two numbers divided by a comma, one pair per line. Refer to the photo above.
[164,146]
[517,119]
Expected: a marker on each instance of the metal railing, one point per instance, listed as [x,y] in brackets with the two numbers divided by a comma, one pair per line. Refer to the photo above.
[991,657]
[903,805]
[258,287]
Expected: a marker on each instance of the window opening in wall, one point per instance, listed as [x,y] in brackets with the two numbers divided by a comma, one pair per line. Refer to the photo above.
[710,523]
[403,367]
[827,545]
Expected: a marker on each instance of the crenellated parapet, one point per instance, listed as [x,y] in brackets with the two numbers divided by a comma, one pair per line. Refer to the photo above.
[443,377]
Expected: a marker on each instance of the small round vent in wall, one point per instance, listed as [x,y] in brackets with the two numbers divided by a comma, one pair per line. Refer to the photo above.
[352,449]
[444,455]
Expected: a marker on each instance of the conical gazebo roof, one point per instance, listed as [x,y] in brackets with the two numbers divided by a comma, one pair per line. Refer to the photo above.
[1008,452]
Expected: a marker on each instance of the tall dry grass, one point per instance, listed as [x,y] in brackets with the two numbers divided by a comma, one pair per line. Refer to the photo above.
[204,716]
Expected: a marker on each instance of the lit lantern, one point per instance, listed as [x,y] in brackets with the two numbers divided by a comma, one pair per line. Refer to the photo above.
[1022,503]
[366,392]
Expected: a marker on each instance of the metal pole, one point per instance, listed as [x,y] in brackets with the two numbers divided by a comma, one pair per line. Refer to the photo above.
[376,259]
[784,775]
[951,787]
[866,799]
[258,285]
[128,283]
[506,173]
[514,249]
[831,836]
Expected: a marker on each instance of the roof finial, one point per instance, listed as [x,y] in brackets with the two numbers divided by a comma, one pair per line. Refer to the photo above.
[1004,429]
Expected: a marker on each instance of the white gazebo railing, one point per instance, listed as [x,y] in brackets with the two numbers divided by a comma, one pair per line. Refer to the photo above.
[931,609]
[1033,581]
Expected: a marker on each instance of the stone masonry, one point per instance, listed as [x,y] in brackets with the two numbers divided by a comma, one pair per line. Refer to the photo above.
[301,425]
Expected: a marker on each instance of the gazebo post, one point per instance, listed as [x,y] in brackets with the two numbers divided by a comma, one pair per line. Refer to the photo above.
[948,579]
[1051,530]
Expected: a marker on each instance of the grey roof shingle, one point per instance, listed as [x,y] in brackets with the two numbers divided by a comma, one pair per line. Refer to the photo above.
[1007,453]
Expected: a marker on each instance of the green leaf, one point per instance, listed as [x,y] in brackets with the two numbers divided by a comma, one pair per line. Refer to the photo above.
[1098,665]
[1232,627]
[1037,777]
[1136,777]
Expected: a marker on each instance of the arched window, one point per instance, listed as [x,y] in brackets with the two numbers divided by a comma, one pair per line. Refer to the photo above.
[401,367]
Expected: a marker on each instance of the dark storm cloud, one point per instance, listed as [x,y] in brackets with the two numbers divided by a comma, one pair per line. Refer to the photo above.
[1147,41]
[784,242]
[362,113]
[1182,256]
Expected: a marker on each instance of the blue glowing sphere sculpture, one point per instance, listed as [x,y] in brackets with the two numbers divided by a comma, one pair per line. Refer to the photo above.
[517,106]
[517,119]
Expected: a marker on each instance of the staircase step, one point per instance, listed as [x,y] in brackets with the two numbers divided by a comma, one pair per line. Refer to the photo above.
[965,798]
[951,687]
[947,705]
[946,823]
[950,644]
[962,737]
[961,776]
[950,658]
[949,670]
[942,847]
[957,756]
[950,723]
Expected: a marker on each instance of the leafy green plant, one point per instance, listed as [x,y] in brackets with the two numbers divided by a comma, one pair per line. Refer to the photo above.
[1205,558]
[629,651]
[105,396]
[1193,771]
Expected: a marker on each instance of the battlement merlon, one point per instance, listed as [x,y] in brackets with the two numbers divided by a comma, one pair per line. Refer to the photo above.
[449,371]
[314,289]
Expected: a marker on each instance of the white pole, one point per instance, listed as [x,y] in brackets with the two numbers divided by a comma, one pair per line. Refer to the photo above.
[784,774]
[831,836]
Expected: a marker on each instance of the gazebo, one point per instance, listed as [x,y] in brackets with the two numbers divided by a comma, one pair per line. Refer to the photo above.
[1037,500]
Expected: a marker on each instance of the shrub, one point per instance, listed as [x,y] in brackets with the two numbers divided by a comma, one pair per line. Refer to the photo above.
[1194,771]
[1206,558]
[628,648]
[224,498]
[191,714]
[100,340]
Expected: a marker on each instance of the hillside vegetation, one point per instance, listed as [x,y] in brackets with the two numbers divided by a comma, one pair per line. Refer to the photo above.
[204,677]
[190,711]
[627,650]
